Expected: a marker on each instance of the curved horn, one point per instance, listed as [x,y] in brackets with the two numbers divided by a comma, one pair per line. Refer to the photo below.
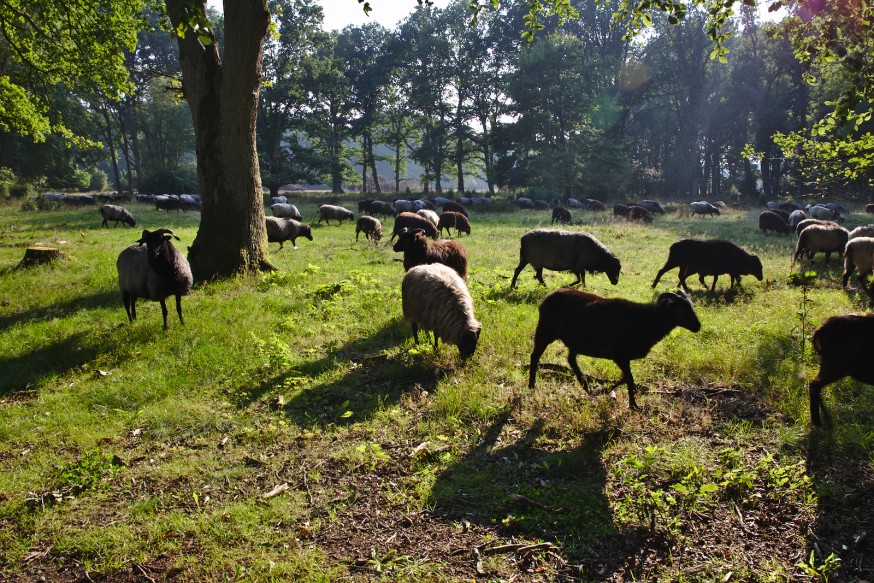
[166,231]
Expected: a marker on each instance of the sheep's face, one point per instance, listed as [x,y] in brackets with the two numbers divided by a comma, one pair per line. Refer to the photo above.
[680,307]
[755,267]
[132,222]
[305,231]
[613,270]
[467,343]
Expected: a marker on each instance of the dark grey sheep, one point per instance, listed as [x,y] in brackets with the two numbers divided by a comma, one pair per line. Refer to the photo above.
[329,212]
[154,272]
[453,219]
[771,221]
[561,216]
[110,212]
[710,257]
[815,238]
[411,221]
[617,329]
[371,228]
[577,252]
[280,230]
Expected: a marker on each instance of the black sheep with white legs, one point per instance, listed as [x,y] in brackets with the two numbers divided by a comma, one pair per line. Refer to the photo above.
[612,328]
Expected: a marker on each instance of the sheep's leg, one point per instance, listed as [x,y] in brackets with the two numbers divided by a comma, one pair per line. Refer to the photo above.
[715,277]
[827,255]
[541,341]
[816,404]
[661,272]
[164,313]
[538,274]
[522,263]
[625,367]
[572,361]
[415,328]
[436,339]
[179,308]
[129,306]
[848,271]
[684,273]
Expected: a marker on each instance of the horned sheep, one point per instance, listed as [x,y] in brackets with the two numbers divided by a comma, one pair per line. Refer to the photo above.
[111,212]
[710,257]
[558,250]
[434,297]
[329,212]
[844,345]
[412,221]
[418,250]
[154,272]
[616,329]
[280,230]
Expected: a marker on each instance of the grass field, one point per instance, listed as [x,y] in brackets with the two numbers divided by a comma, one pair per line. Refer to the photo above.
[291,430]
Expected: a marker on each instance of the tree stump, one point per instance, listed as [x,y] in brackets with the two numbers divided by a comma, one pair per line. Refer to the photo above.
[39,255]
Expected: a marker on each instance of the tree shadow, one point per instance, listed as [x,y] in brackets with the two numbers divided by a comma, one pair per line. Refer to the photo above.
[360,378]
[560,497]
[19,373]
[101,299]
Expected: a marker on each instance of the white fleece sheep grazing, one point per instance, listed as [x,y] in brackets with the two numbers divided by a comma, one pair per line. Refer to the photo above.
[430,215]
[825,238]
[435,298]
[330,212]
[859,255]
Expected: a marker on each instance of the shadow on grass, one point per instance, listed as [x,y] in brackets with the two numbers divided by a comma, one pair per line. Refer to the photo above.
[844,484]
[352,382]
[556,496]
[102,299]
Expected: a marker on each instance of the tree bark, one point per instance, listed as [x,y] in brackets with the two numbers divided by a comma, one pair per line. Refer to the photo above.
[223,98]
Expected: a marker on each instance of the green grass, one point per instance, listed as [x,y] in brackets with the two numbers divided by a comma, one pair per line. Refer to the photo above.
[128,451]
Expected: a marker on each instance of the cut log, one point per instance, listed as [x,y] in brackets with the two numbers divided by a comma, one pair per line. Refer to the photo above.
[39,255]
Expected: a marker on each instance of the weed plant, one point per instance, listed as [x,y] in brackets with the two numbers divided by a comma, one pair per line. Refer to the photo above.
[127,450]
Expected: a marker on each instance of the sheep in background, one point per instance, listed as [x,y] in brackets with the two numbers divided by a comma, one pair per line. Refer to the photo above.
[371,228]
[405,206]
[110,212]
[424,204]
[703,208]
[796,217]
[869,208]
[561,216]
[542,205]
[452,219]
[280,230]
[784,214]
[435,298]
[844,345]
[593,204]
[430,215]
[521,202]
[859,254]
[821,212]
[167,202]
[418,250]
[379,207]
[652,206]
[154,272]
[556,250]
[710,257]
[278,200]
[412,221]
[771,221]
[861,231]
[807,222]
[617,329]
[454,207]
[840,210]
[574,203]
[363,204]
[329,212]
[815,238]
[286,211]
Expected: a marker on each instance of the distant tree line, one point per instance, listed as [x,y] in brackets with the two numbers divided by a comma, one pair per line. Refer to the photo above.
[583,111]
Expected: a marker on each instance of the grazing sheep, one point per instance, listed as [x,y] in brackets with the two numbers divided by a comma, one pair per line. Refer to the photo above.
[413,221]
[521,202]
[328,212]
[465,200]
[280,230]
[771,221]
[574,203]
[278,200]
[703,208]
[840,210]
[790,206]
[861,231]
[371,228]
[820,212]
[784,214]
[869,208]
[807,222]
[652,206]
[561,216]
[439,200]
[381,208]
[405,206]
[154,272]
[452,219]
[167,202]
[632,212]
[556,250]
[796,217]
[710,257]
[454,207]
[418,250]
[146,198]
[363,204]
[190,202]
[110,212]
[815,238]
[616,329]
[593,204]
[424,204]
[434,297]
[286,211]
[845,345]
[621,210]
[859,254]
[430,215]
[542,205]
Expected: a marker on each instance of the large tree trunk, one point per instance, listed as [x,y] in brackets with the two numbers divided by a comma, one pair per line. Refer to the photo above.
[223,97]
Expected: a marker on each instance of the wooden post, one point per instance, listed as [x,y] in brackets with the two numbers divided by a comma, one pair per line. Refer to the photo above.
[39,255]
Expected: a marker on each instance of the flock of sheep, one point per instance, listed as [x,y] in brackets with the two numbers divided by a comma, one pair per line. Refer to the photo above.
[435,296]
